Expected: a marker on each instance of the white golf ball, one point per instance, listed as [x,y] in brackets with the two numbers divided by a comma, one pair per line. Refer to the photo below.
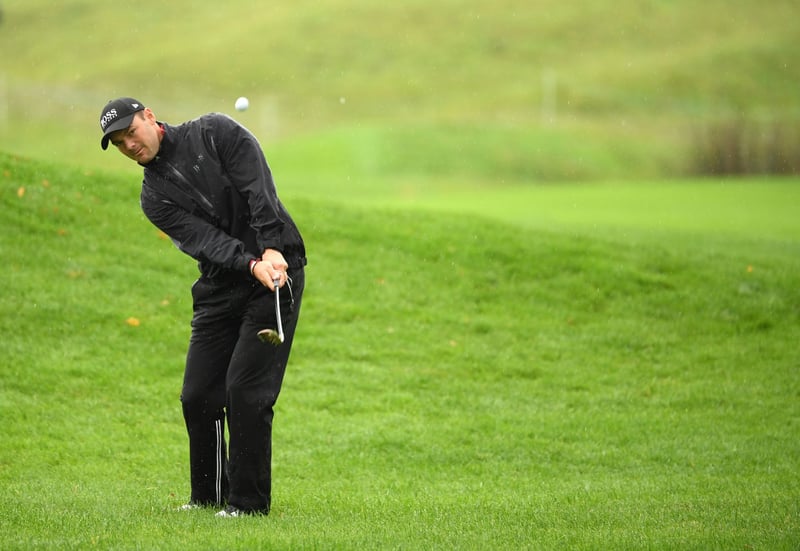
[242,104]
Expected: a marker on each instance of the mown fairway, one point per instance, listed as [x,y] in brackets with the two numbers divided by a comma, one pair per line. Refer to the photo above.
[458,383]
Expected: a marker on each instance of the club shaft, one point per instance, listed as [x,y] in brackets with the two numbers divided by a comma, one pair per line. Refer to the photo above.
[278,309]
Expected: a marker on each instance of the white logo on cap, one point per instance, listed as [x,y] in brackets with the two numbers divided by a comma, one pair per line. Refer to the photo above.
[110,115]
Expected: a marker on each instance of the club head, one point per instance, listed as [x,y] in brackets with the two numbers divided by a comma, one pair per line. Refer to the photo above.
[270,336]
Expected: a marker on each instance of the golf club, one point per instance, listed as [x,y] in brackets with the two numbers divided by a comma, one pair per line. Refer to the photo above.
[270,335]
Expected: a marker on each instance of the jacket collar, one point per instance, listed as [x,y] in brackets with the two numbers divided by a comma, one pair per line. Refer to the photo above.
[168,140]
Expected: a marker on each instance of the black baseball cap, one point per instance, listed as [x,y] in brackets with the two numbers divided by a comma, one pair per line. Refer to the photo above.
[117,115]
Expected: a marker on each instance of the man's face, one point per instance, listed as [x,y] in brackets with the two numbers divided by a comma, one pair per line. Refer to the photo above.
[141,140]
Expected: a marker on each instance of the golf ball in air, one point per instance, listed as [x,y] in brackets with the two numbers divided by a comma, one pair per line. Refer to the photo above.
[242,104]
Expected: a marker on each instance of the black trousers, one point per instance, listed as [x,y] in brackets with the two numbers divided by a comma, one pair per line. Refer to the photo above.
[231,374]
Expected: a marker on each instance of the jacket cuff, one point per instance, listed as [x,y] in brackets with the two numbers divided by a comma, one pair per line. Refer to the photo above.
[243,263]
[274,243]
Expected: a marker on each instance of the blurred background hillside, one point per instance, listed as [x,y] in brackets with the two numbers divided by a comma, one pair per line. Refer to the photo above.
[457,91]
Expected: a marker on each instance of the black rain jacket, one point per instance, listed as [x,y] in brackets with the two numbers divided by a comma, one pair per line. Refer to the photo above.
[211,191]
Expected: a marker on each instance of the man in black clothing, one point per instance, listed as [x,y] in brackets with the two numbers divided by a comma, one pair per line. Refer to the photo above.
[207,186]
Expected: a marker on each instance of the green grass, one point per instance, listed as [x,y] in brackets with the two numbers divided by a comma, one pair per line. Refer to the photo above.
[748,209]
[482,362]
[457,382]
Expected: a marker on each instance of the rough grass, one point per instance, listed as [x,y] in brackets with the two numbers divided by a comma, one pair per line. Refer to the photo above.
[457,383]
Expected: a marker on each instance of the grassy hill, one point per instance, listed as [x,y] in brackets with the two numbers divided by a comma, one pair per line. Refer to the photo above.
[506,91]
[481,362]
[457,382]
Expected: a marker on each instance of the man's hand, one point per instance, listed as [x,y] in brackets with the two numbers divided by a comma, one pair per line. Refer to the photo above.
[271,268]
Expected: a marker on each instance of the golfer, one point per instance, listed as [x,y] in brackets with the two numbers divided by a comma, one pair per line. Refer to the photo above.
[208,187]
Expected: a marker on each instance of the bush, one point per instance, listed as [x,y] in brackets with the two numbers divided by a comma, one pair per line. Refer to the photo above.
[739,146]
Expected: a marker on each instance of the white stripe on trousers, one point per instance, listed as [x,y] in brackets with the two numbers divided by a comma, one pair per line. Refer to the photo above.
[220,451]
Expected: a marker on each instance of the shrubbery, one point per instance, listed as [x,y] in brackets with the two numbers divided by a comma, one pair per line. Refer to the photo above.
[742,146]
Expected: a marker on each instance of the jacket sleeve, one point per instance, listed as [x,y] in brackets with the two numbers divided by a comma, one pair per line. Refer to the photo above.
[193,235]
[244,162]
